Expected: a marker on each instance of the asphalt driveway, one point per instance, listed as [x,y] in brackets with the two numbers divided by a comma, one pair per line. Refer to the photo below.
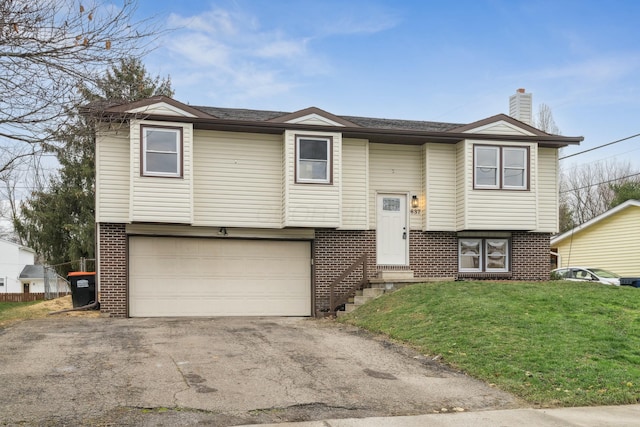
[218,372]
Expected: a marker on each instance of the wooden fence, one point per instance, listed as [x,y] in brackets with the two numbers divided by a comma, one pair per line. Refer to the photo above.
[37,296]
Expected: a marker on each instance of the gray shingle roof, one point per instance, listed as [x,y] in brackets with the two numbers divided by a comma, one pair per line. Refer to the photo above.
[32,272]
[366,122]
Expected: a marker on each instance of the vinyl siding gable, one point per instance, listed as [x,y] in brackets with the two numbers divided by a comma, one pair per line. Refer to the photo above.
[612,244]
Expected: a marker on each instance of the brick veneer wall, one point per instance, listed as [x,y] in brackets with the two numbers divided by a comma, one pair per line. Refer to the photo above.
[333,252]
[112,247]
[530,256]
[433,254]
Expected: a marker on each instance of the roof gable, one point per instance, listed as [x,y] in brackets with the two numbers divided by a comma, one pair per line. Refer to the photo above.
[500,124]
[161,106]
[611,212]
[314,116]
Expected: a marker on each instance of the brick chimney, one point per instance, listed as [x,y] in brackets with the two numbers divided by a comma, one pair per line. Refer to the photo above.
[521,106]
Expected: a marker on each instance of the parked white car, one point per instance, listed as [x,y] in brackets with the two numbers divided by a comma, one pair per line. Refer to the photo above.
[587,274]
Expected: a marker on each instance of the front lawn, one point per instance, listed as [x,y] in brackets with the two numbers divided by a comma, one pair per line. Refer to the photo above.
[553,344]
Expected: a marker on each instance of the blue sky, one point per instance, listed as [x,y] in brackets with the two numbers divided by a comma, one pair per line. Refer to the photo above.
[453,61]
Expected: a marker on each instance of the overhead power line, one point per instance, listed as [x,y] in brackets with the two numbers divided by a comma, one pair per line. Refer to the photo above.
[600,146]
[600,183]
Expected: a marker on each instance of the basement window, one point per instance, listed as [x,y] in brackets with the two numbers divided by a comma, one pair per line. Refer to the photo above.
[488,255]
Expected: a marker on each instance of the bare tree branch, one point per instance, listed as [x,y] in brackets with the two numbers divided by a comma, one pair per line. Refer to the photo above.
[587,190]
[48,48]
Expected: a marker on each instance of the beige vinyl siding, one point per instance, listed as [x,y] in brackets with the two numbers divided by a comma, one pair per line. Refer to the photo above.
[112,180]
[395,169]
[161,108]
[312,205]
[237,179]
[463,178]
[500,209]
[354,184]
[440,182]
[161,199]
[612,244]
[500,128]
[548,190]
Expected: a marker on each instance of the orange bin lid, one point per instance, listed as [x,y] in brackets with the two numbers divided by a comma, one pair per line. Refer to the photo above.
[82,273]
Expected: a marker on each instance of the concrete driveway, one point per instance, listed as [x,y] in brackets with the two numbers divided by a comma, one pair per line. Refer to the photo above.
[218,372]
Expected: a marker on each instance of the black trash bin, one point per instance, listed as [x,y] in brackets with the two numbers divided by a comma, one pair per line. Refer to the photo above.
[83,287]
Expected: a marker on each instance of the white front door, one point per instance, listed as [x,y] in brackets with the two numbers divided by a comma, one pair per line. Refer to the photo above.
[392,231]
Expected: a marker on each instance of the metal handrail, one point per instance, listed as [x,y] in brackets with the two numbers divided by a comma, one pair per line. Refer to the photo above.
[333,302]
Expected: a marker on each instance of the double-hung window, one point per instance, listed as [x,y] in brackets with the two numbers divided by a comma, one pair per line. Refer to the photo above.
[161,151]
[514,167]
[483,255]
[498,167]
[313,159]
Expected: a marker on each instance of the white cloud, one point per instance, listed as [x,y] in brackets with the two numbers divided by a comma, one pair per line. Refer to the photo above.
[282,49]
[230,54]
[603,68]
[216,21]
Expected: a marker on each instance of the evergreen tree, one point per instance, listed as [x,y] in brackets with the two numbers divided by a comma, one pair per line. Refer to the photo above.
[59,222]
[625,191]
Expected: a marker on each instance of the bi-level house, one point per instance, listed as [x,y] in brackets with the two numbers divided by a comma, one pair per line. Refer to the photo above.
[205,211]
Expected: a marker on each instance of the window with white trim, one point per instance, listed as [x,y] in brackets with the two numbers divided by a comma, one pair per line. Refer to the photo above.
[500,167]
[161,151]
[313,159]
[1,281]
[514,167]
[483,255]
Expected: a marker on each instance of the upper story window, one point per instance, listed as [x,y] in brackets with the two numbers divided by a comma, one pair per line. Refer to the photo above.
[161,151]
[498,167]
[313,159]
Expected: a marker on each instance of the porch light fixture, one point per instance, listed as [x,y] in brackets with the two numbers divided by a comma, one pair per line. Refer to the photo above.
[415,203]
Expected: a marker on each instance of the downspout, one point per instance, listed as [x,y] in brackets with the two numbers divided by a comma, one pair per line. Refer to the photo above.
[94,305]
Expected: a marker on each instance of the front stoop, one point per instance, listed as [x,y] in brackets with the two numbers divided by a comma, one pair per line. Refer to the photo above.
[362,297]
[395,274]
[386,283]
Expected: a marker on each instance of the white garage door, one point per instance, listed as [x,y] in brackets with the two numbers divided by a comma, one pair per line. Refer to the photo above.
[175,276]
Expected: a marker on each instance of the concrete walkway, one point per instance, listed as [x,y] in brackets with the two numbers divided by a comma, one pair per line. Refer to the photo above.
[598,416]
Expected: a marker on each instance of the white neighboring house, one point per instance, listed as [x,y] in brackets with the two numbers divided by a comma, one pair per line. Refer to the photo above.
[13,258]
[32,278]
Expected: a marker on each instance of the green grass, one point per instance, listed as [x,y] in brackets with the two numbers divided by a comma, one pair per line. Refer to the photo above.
[15,311]
[552,343]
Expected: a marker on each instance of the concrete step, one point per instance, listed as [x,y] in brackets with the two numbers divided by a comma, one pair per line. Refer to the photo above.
[348,308]
[395,274]
[372,292]
[360,300]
